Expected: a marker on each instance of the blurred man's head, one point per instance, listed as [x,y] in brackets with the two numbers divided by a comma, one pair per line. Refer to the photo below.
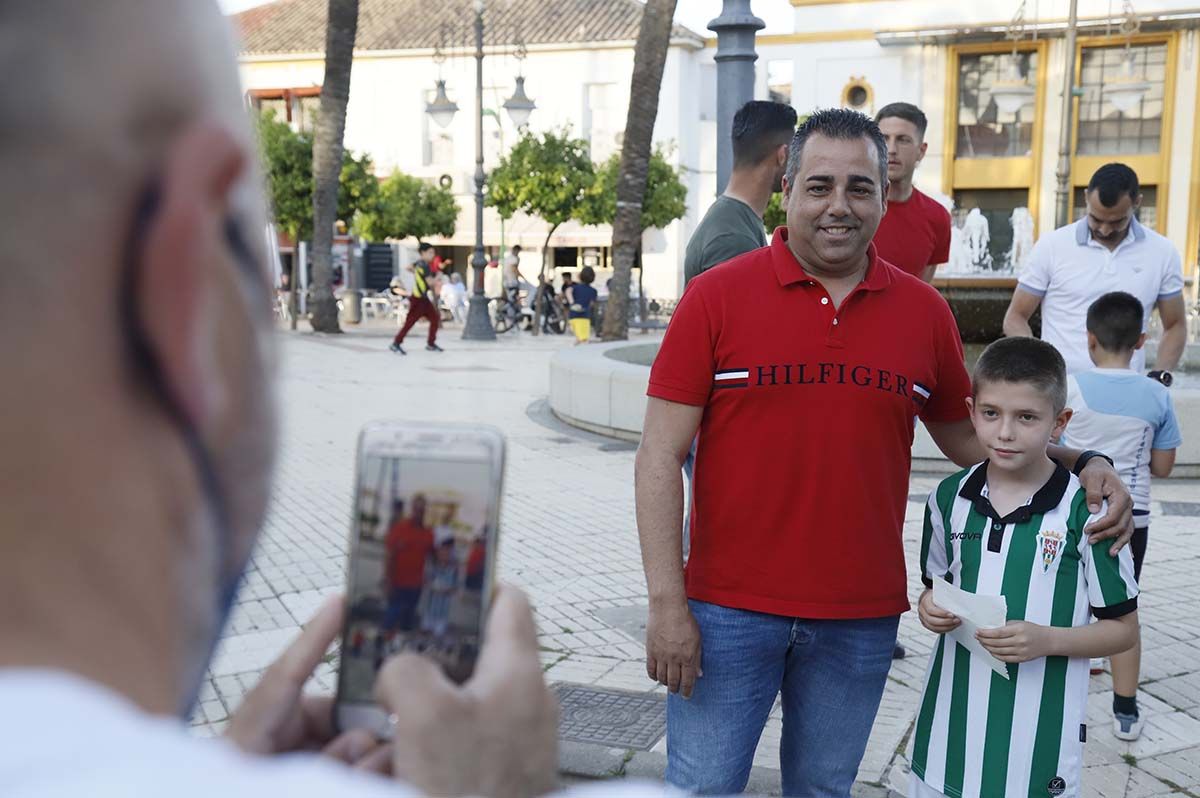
[426,251]
[1113,198]
[903,127]
[139,220]
[761,132]
[835,190]
[418,508]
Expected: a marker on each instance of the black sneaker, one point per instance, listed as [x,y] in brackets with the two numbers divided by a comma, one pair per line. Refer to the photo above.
[397,348]
[433,348]
[898,652]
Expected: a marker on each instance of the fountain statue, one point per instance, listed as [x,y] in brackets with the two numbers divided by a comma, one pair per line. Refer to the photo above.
[976,237]
[1022,240]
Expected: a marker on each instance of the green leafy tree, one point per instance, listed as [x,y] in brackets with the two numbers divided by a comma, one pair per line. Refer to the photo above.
[288,158]
[546,176]
[407,206]
[664,202]
[775,214]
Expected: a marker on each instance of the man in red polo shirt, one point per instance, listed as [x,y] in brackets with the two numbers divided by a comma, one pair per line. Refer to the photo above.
[409,544]
[915,231]
[802,365]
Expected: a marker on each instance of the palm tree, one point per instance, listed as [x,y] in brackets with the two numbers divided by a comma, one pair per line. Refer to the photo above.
[654,37]
[340,31]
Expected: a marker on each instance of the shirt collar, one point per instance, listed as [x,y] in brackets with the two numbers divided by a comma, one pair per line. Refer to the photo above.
[790,271]
[1046,499]
[1083,233]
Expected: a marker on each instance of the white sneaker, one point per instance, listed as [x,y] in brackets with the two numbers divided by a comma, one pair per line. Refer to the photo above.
[1127,727]
[1097,665]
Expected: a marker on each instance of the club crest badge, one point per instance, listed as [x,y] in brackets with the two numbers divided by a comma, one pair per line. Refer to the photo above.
[1051,545]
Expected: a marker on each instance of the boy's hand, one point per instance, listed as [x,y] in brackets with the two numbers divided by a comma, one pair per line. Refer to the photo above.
[933,617]
[1016,641]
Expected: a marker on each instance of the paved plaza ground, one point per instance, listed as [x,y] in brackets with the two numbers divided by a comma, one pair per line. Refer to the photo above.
[569,539]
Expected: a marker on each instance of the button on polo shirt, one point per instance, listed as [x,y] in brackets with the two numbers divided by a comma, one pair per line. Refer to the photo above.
[1070,270]
[802,465]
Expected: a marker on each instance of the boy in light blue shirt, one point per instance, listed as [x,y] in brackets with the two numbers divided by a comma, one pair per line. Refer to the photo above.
[1132,419]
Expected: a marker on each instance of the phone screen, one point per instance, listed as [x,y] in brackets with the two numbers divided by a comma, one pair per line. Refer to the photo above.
[420,566]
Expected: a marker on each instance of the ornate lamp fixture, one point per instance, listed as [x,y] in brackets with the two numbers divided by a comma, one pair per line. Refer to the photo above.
[520,106]
[442,109]
[1127,90]
[1013,92]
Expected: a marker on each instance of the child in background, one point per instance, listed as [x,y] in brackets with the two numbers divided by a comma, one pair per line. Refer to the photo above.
[1132,419]
[441,580]
[1013,526]
[580,297]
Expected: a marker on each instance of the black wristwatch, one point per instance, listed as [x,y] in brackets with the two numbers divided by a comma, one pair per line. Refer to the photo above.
[1165,377]
[1088,455]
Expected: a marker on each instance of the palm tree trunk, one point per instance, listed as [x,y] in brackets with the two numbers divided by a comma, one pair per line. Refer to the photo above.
[649,59]
[340,33]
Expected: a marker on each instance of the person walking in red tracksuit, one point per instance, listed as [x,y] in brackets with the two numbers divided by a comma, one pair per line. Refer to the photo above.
[422,302]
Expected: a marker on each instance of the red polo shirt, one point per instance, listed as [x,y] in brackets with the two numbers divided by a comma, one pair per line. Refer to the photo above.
[914,234]
[802,469]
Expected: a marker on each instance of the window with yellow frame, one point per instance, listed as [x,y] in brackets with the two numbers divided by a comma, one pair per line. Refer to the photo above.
[993,141]
[1138,136]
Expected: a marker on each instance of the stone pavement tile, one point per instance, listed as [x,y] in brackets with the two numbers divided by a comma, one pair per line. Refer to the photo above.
[1174,731]
[1180,770]
[580,668]
[1106,781]
[1181,692]
[1143,785]
[250,652]
[626,675]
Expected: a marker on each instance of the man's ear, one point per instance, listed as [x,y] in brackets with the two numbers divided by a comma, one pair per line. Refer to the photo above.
[921,151]
[781,155]
[1141,341]
[180,258]
[970,400]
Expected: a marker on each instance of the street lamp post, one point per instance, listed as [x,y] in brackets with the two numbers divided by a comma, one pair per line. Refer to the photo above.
[1062,196]
[479,325]
[735,58]
[442,110]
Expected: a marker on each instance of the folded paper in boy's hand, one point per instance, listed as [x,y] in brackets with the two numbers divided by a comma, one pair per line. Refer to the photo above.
[976,612]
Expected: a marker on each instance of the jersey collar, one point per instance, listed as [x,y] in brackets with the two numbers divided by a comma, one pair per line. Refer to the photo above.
[1046,499]
[790,271]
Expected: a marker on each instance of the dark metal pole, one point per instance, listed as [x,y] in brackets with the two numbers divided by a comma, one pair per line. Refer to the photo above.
[478,326]
[735,58]
[1062,196]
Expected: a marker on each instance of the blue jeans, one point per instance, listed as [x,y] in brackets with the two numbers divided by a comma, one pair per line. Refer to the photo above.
[831,674]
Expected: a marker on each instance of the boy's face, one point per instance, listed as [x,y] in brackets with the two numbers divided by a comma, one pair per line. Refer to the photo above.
[1014,421]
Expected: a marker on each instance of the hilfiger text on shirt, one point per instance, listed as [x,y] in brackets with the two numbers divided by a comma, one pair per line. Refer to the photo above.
[821,373]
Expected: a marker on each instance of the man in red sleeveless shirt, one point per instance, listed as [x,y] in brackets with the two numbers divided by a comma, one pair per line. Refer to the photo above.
[915,231]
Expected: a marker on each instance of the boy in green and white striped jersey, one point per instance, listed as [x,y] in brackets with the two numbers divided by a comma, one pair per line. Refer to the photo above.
[1013,526]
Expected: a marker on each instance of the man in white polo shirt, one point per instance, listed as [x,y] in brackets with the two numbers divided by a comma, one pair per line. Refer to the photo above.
[1107,250]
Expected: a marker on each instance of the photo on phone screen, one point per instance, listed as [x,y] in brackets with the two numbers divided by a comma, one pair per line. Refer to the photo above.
[420,566]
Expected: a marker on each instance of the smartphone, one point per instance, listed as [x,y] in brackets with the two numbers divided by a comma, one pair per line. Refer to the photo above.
[422,560]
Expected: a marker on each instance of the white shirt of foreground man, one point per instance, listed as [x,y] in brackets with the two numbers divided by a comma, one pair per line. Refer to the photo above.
[78,739]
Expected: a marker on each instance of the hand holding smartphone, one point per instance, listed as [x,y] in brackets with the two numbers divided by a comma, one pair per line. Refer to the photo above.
[422,555]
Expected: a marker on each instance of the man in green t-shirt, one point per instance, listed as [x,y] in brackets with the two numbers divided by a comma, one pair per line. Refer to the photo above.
[733,224]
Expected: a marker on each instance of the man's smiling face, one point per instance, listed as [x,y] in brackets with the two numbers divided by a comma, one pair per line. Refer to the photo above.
[834,204]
